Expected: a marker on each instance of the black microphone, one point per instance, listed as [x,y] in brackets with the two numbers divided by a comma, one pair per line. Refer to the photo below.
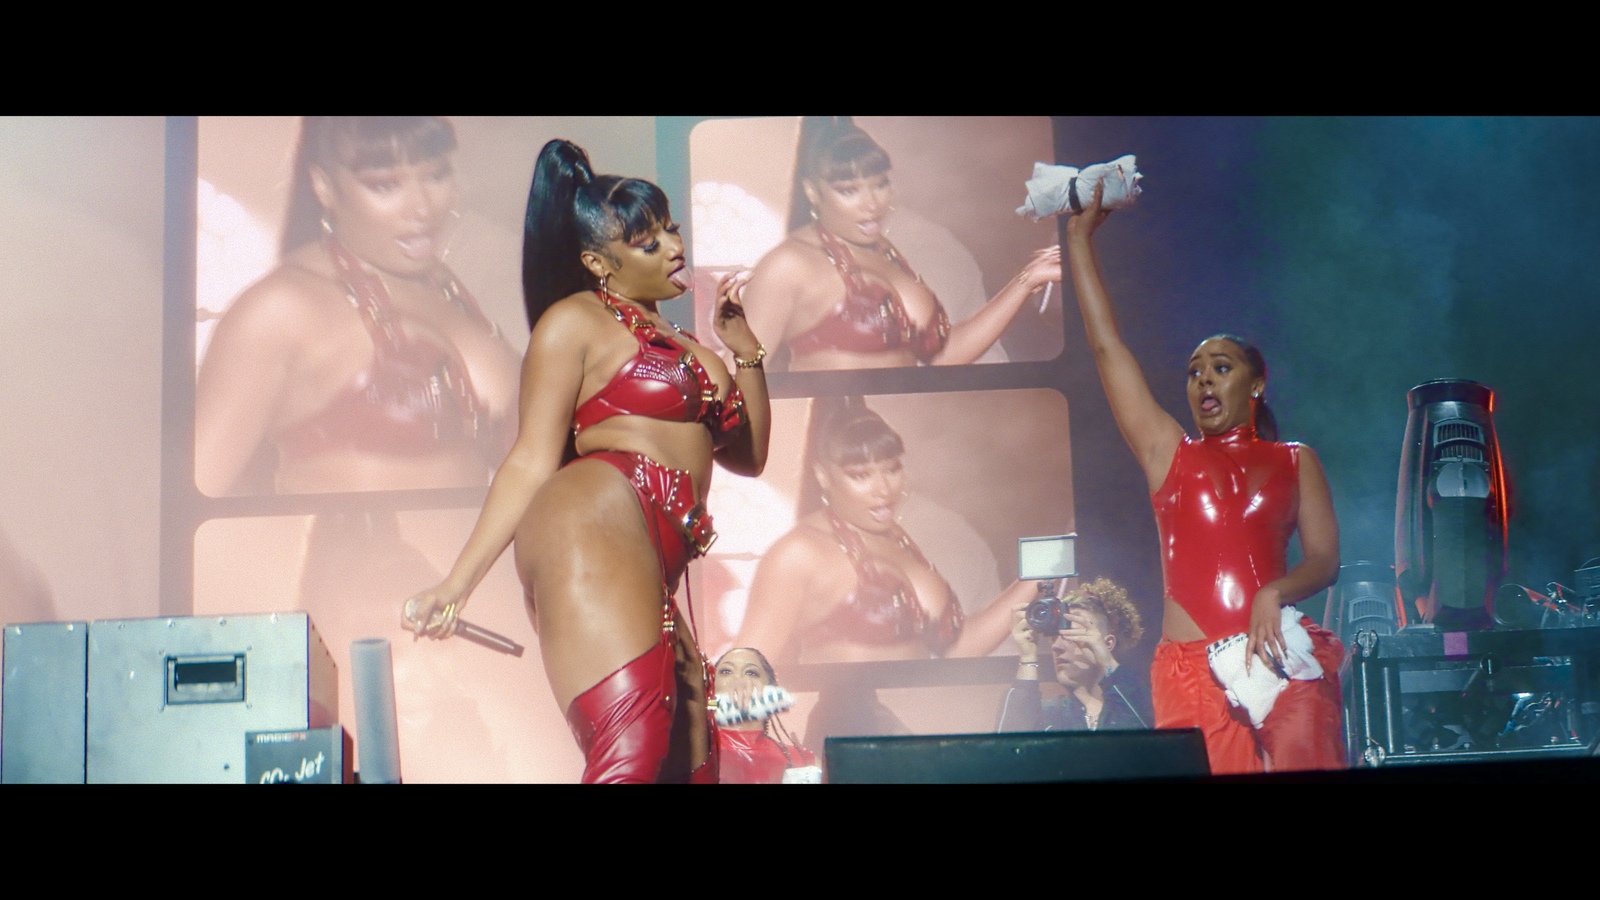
[475,633]
[487,638]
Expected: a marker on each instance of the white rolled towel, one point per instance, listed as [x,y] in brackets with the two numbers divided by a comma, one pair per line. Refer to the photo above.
[1257,690]
[1054,190]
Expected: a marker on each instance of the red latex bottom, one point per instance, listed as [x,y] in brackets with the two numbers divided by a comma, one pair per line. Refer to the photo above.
[1304,730]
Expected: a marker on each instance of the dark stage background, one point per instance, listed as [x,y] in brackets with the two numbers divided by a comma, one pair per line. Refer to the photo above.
[1363,256]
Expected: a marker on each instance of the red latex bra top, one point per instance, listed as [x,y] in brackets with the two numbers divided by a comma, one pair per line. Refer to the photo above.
[754,757]
[664,380]
[1225,514]
[884,609]
[871,317]
[416,397]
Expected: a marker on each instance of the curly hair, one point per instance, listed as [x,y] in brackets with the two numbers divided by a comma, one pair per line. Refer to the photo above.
[1110,600]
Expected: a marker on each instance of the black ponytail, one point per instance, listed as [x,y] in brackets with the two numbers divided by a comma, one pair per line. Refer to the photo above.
[842,430]
[830,148]
[551,268]
[571,210]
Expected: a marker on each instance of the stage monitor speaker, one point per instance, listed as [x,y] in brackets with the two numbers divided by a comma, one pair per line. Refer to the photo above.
[1020,758]
[44,703]
[171,700]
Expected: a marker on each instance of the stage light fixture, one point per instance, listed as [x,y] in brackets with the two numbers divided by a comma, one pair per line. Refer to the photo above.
[1361,600]
[1450,516]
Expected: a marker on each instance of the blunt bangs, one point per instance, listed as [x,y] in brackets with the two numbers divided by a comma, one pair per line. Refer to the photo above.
[637,206]
[864,440]
[856,155]
[374,142]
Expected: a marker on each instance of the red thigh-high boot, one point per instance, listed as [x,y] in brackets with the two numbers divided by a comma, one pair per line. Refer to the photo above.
[1305,729]
[624,724]
[1186,695]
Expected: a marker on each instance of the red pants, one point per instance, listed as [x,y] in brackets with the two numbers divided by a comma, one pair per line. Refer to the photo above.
[1305,729]
[624,724]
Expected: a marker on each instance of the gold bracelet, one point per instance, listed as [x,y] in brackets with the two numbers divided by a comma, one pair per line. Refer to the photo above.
[761,353]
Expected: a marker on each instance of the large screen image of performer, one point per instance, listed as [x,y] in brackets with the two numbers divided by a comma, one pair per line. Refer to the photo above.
[885,528]
[879,242]
[360,332]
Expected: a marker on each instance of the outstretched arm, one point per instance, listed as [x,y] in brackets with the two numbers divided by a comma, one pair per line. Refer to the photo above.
[970,339]
[1149,430]
[552,374]
[1318,567]
[986,628]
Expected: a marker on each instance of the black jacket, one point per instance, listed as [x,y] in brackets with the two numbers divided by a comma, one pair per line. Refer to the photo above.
[1127,706]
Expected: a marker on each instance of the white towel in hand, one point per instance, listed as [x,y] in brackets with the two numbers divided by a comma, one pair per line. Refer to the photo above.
[1057,189]
[1258,689]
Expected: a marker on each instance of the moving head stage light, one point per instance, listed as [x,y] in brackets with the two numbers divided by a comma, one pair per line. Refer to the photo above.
[1450,515]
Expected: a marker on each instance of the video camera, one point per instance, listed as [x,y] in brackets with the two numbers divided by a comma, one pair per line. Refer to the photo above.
[1047,560]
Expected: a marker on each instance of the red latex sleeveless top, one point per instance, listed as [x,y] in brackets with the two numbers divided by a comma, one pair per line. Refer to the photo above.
[414,398]
[755,757]
[884,609]
[662,381]
[1225,514]
[871,317]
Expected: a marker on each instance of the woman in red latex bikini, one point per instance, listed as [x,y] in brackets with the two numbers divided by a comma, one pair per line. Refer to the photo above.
[362,363]
[847,584]
[1226,506]
[838,295]
[622,416]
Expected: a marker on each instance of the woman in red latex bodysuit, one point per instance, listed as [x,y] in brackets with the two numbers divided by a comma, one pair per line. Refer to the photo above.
[758,750]
[622,416]
[362,363]
[847,584]
[838,295]
[1226,505]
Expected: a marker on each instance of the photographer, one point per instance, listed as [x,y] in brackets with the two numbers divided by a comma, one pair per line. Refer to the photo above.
[1084,630]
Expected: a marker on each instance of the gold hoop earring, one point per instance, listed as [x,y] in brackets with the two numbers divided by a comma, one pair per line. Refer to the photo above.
[604,291]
